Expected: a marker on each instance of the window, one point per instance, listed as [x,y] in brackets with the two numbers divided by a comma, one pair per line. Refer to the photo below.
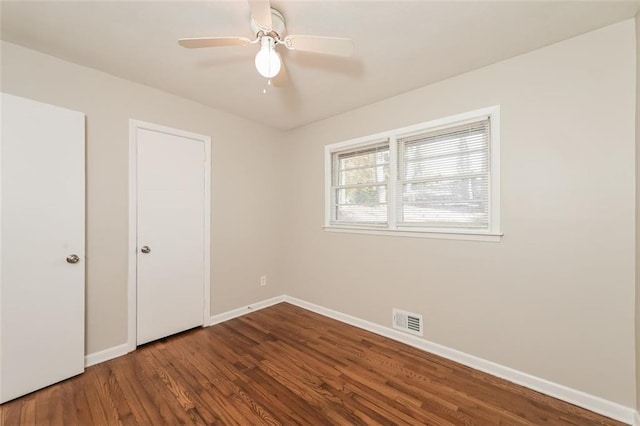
[437,178]
[360,180]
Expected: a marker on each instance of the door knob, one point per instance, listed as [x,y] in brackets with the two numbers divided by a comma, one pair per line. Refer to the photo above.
[73,258]
[145,249]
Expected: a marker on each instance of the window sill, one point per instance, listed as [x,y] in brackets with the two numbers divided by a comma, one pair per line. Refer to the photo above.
[465,236]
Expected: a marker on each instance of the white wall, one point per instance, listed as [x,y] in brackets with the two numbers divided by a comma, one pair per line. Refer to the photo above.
[246,228]
[555,298]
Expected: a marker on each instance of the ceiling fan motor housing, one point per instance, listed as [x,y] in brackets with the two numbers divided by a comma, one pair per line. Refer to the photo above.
[277,24]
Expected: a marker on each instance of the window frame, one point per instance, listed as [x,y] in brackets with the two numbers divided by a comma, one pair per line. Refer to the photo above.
[492,233]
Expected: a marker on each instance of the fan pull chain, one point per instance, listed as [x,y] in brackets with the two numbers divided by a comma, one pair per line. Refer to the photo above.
[264,91]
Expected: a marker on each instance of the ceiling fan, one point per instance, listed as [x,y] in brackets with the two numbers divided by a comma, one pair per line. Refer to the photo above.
[268,25]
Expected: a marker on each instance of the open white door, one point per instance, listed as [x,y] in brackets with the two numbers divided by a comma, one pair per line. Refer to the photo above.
[42,252]
[172,231]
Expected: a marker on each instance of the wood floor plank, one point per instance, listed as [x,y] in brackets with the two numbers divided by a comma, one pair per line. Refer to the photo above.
[284,365]
[231,398]
[11,413]
[57,404]
[28,412]
[42,407]
[99,411]
[110,390]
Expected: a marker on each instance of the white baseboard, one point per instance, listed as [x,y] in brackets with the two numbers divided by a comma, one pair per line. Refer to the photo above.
[106,355]
[226,316]
[573,396]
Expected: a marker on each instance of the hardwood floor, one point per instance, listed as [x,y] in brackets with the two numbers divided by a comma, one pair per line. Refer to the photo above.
[285,365]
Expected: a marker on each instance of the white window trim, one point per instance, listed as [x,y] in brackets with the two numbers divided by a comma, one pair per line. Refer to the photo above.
[493,234]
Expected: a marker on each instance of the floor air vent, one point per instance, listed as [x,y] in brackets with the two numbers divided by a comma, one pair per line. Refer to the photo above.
[407,321]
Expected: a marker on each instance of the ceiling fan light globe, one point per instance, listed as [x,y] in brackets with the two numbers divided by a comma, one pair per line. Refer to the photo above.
[268,62]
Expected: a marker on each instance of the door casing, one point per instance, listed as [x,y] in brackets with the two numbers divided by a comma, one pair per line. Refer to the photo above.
[132,304]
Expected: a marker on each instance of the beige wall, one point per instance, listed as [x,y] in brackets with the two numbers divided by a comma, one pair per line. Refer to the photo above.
[245,229]
[556,297]
[637,21]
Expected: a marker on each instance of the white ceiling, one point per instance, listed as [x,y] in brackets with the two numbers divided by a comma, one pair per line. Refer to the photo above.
[400,45]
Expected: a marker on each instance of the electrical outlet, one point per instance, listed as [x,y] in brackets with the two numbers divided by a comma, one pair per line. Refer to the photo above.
[263,281]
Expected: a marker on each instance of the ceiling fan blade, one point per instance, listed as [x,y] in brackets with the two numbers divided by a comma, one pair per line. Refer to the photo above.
[282,78]
[194,43]
[261,13]
[327,45]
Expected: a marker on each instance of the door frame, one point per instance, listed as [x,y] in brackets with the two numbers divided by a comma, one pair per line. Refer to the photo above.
[132,306]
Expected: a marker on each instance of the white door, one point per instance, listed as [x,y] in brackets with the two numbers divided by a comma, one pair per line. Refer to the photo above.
[42,252]
[170,233]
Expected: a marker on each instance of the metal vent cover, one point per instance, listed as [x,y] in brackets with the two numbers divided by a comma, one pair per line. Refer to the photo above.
[407,321]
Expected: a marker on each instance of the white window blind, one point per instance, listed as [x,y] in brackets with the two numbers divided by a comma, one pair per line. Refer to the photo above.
[359,184]
[443,177]
[439,179]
